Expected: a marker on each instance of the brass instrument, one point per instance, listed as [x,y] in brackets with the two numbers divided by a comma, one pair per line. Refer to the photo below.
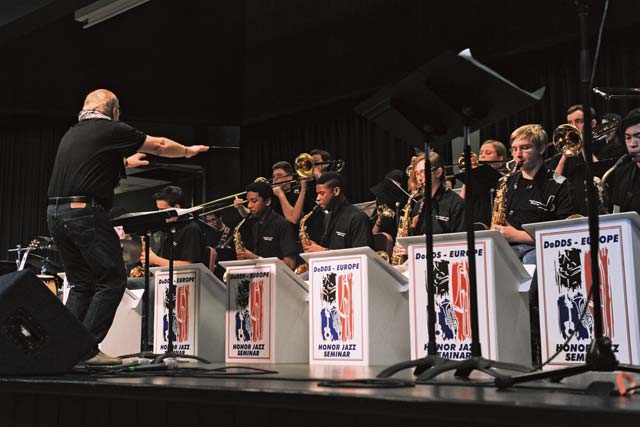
[237,237]
[138,270]
[499,213]
[304,165]
[385,211]
[403,227]
[474,161]
[568,140]
[304,237]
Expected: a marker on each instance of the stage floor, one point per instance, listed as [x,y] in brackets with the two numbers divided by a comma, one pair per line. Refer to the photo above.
[294,395]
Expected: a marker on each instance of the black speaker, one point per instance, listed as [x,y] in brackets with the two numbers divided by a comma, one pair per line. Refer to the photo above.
[38,335]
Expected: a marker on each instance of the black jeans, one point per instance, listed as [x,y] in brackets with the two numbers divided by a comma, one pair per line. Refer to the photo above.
[93,262]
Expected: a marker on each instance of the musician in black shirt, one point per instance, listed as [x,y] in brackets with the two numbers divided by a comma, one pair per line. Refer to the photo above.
[272,235]
[88,166]
[624,183]
[188,240]
[533,194]
[447,212]
[345,226]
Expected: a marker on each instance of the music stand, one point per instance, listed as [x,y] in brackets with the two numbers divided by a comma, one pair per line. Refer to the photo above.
[146,223]
[446,97]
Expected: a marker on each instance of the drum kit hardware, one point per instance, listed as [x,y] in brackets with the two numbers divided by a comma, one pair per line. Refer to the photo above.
[37,257]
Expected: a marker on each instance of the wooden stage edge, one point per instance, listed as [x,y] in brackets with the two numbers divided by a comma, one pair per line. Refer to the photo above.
[293,396]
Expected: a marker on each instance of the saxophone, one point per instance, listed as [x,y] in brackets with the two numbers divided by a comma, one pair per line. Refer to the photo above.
[304,238]
[403,228]
[138,270]
[499,213]
[237,237]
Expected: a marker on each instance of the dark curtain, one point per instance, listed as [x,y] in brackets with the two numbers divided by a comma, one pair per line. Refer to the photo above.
[27,152]
[557,69]
[368,151]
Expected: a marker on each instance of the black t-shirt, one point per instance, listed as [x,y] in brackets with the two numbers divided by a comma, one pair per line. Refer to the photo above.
[89,159]
[345,227]
[624,188]
[189,243]
[447,213]
[273,236]
[547,197]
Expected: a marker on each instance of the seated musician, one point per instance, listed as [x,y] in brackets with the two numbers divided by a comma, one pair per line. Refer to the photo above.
[272,235]
[624,183]
[189,240]
[447,207]
[390,199]
[345,226]
[490,151]
[218,234]
[534,193]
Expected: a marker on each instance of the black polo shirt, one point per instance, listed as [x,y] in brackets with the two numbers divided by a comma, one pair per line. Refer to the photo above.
[345,227]
[273,236]
[189,242]
[447,213]
[547,197]
[89,159]
[276,205]
[624,188]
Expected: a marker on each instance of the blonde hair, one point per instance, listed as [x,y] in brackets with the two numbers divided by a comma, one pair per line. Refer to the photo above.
[535,134]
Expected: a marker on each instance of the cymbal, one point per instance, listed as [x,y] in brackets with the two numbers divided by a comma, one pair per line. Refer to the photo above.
[46,243]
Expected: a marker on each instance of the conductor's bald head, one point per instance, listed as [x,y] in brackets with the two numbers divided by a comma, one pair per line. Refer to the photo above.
[103,101]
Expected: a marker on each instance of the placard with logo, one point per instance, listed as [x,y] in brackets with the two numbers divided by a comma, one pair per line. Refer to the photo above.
[185,314]
[338,327]
[251,307]
[564,280]
[452,300]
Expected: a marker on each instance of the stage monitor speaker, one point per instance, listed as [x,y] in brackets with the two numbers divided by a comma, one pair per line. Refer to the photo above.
[38,335]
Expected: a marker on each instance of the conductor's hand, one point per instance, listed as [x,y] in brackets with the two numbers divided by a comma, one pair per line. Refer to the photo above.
[192,150]
[246,255]
[313,247]
[137,160]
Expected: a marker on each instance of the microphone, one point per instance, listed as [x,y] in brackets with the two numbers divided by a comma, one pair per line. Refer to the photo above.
[165,365]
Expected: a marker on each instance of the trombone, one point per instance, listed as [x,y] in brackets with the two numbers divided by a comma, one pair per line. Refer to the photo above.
[303,165]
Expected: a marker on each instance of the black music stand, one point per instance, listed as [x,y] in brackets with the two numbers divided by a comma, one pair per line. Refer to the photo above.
[146,223]
[441,100]
[600,356]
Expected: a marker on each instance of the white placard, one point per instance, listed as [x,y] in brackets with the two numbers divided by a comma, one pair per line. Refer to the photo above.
[251,307]
[452,300]
[185,312]
[564,282]
[338,326]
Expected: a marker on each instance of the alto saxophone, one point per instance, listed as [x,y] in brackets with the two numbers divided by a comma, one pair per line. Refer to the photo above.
[403,228]
[237,237]
[499,213]
[304,238]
